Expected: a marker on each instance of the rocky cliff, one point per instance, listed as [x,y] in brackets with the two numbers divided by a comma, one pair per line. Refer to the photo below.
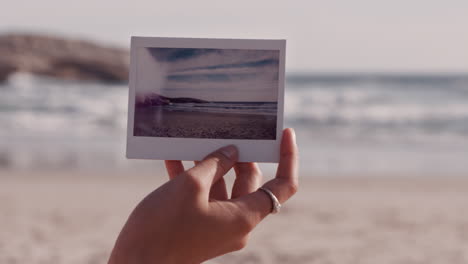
[61,58]
[155,99]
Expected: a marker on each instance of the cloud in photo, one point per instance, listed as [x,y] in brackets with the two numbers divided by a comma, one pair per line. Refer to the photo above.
[215,74]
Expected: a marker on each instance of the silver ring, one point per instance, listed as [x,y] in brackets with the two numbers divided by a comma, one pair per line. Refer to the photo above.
[276,206]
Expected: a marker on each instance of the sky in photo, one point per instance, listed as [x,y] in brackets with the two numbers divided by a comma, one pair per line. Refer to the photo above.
[211,74]
[322,35]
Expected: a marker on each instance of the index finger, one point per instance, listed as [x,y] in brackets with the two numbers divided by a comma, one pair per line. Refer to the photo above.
[214,166]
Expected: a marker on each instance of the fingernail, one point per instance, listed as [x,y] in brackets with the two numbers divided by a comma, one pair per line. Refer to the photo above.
[229,151]
[293,133]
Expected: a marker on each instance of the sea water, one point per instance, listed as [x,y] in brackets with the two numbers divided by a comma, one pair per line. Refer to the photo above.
[347,124]
[381,124]
[248,108]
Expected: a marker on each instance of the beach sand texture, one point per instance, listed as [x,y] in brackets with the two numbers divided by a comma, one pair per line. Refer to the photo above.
[75,218]
[158,122]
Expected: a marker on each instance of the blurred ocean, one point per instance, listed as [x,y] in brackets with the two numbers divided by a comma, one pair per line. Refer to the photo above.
[347,124]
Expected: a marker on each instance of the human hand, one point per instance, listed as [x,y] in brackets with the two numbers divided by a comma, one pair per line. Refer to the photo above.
[191,219]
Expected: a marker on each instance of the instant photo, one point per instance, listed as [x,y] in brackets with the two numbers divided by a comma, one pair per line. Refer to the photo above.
[207,93]
[223,91]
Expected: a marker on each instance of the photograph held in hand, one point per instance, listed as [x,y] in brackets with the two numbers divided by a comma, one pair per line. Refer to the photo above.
[203,94]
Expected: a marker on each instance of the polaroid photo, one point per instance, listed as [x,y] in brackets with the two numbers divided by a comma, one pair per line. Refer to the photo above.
[190,96]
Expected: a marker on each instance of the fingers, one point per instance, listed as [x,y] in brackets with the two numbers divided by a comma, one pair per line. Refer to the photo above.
[174,168]
[248,179]
[283,186]
[286,182]
[214,166]
[218,190]
[289,157]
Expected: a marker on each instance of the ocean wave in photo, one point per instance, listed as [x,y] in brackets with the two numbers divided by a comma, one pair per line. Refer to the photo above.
[253,108]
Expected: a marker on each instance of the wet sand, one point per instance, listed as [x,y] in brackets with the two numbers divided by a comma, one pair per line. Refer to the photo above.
[75,218]
[159,122]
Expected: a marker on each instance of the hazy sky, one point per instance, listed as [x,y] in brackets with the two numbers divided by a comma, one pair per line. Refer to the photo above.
[328,35]
[210,74]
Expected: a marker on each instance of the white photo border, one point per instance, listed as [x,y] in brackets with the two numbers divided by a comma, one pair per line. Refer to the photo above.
[164,148]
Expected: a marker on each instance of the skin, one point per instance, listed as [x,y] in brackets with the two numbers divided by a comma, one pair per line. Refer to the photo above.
[191,218]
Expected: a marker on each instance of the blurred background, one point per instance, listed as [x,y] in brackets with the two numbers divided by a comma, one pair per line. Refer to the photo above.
[377,92]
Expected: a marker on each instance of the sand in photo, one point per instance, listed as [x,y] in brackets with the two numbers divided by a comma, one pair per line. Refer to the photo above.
[160,122]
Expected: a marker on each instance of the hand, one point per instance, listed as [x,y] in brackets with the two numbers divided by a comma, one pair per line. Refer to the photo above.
[190,219]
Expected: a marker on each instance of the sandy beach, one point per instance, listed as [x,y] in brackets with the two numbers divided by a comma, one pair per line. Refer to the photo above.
[158,122]
[74,217]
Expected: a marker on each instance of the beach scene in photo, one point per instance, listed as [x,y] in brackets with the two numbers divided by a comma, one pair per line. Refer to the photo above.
[206,93]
